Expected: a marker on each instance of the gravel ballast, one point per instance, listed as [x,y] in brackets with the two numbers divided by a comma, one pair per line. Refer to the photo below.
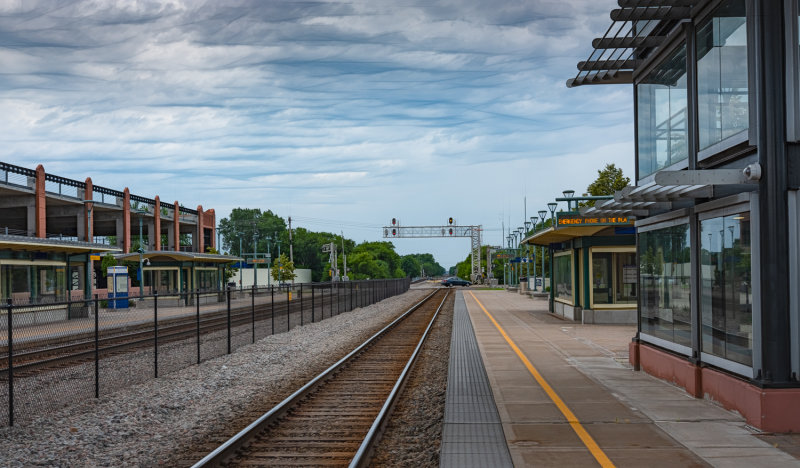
[162,422]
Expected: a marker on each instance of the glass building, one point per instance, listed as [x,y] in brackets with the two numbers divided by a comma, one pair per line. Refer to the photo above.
[716,91]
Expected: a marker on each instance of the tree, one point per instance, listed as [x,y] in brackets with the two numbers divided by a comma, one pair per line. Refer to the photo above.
[247,223]
[609,180]
[283,269]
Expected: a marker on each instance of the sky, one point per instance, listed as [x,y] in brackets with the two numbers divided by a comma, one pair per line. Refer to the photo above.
[340,114]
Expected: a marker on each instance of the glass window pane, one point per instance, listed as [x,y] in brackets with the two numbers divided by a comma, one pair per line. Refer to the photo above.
[601,278]
[661,109]
[726,295]
[664,270]
[625,284]
[562,274]
[722,74]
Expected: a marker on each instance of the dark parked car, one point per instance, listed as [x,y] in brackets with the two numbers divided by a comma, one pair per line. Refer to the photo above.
[455,281]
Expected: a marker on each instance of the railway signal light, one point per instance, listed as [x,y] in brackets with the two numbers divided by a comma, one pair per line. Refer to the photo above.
[394,221]
[450,221]
[451,231]
[394,232]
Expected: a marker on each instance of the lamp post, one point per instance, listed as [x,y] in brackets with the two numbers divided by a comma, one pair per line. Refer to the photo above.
[543,217]
[528,253]
[534,220]
[569,194]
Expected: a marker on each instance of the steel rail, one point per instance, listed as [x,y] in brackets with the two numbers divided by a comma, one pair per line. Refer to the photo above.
[227,450]
[365,451]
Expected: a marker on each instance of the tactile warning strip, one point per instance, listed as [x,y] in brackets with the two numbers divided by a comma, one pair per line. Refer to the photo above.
[473,434]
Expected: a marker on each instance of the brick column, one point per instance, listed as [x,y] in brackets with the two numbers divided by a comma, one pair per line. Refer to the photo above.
[200,247]
[126,220]
[88,221]
[176,233]
[211,217]
[41,203]
[157,223]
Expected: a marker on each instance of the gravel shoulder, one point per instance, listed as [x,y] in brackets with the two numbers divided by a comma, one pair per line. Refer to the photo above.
[162,422]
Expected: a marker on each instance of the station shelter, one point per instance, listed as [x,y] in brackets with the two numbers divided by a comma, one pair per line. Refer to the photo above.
[716,195]
[36,272]
[593,270]
[171,273]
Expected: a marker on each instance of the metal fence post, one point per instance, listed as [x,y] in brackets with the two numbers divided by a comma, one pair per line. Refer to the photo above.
[96,348]
[155,333]
[197,306]
[228,295]
[312,302]
[301,304]
[331,293]
[10,362]
[253,311]
[288,304]
[272,294]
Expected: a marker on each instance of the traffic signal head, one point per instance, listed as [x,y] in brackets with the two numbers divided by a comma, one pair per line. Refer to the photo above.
[451,231]
[450,220]
[394,232]
[394,221]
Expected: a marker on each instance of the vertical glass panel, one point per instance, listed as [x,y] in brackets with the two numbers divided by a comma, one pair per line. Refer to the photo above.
[562,275]
[726,295]
[661,109]
[625,272]
[722,74]
[664,271]
[601,278]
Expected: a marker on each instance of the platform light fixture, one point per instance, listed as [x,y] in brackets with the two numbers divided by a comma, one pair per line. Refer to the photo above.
[552,207]
[569,193]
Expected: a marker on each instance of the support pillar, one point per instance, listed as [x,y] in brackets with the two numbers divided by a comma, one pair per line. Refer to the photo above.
[198,243]
[126,220]
[88,219]
[176,227]
[157,224]
[41,203]
[774,367]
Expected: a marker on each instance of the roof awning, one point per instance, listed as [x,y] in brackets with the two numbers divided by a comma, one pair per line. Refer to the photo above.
[653,198]
[171,255]
[563,234]
[37,244]
[637,26]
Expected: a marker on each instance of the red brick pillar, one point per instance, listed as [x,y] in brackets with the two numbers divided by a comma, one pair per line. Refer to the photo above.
[157,223]
[41,203]
[88,220]
[126,220]
[211,218]
[200,247]
[176,232]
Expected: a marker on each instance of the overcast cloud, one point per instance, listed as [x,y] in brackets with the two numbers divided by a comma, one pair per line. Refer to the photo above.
[341,114]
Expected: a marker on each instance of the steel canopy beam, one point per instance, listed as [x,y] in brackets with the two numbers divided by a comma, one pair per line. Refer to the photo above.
[608,65]
[703,177]
[627,42]
[647,13]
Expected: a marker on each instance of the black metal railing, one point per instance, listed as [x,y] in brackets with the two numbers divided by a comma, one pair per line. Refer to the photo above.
[58,353]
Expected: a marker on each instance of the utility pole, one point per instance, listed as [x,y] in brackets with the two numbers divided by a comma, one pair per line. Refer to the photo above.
[255,255]
[345,277]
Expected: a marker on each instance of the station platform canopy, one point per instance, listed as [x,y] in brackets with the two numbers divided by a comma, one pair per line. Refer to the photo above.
[173,256]
[638,28]
[571,225]
[36,244]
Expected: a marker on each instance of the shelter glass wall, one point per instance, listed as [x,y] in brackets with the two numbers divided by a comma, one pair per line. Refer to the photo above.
[665,279]
[563,277]
[33,283]
[726,295]
[613,278]
[661,102]
[722,74]
[207,279]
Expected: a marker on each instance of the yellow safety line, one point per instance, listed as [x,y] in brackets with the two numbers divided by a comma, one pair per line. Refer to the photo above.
[587,440]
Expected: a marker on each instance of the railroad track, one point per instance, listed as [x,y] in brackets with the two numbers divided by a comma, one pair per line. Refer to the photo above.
[337,417]
[141,335]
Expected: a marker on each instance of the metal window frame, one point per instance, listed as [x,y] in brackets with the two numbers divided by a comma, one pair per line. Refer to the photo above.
[750,133]
[663,221]
[666,344]
[564,253]
[791,12]
[794,279]
[740,203]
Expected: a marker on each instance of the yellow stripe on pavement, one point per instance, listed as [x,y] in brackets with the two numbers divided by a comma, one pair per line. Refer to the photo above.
[587,440]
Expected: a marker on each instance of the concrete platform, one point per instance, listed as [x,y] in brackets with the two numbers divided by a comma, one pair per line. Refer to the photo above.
[567,397]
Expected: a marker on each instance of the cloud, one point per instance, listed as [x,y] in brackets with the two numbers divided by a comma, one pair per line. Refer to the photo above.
[308,105]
